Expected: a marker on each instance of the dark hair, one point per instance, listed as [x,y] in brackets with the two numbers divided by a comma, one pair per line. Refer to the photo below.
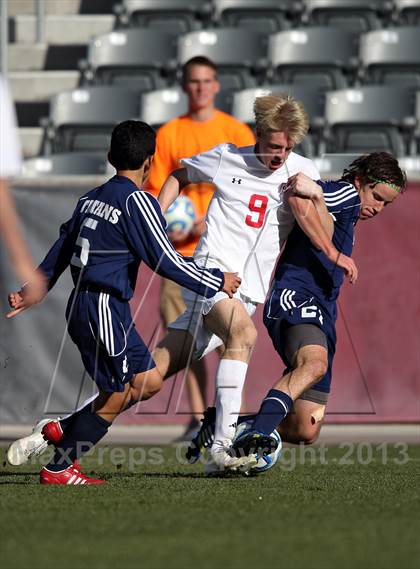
[375,168]
[197,60]
[132,142]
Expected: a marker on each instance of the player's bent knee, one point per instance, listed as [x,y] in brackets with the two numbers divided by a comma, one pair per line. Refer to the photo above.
[152,387]
[146,385]
[244,337]
[308,436]
[317,368]
[300,429]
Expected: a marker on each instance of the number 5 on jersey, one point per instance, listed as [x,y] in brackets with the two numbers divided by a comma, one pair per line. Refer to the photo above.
[83,243]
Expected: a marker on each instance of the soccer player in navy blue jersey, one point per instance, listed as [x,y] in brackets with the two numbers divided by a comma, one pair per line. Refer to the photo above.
[300,312]
[114,228]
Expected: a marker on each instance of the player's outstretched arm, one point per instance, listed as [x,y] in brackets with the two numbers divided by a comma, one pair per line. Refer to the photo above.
[307,216]
[172,187]
[149,241]
[55,262]
[24,298]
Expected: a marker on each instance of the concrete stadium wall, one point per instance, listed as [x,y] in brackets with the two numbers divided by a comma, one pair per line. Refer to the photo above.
[377,366]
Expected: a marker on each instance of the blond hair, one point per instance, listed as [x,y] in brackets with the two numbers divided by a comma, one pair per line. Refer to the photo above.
[281,113]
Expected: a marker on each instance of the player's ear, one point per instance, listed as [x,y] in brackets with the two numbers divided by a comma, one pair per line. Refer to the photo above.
[147,164]
[110,159]
[146,168]
[357,183]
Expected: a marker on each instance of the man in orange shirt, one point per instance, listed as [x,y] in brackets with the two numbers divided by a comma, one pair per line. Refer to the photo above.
[202,128]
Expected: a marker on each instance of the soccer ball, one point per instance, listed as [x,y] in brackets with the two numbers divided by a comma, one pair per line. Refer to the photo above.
[263,462]
[180,215]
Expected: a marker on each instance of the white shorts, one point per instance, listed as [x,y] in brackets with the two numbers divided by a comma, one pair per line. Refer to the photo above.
[192,319]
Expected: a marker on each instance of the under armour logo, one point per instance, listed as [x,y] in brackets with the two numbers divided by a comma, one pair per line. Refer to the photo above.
[236,180]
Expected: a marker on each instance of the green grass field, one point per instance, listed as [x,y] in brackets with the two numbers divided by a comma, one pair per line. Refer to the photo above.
[347,507]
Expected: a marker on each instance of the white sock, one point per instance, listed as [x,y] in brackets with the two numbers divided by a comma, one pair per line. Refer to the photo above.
[230,379]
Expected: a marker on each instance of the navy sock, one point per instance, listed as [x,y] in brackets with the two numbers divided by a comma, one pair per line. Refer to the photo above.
[273,410]
[67,422]
[86,430]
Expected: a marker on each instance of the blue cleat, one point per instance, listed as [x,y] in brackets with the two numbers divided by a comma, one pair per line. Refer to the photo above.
[253,442]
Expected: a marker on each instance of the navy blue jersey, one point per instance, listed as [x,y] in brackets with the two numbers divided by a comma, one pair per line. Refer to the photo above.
[303,267]
[113,228]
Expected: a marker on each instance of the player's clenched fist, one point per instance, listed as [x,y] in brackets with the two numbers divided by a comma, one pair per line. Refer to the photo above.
[231,285]
[304,187]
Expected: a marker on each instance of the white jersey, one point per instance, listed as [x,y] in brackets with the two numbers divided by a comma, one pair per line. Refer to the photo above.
[247,219]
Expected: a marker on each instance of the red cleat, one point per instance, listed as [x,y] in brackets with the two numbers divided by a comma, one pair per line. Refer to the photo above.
[70,476]
[52,432]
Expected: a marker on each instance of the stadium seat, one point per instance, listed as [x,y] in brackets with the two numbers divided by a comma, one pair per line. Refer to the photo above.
[67,164]
[137,58]
[411,165]
[407,12]
[323,57]
[175,16]
[89,7]
[237,53]
[391,56]
[368,119]
[82,119]
[354,15]
[158,107]
[267,16]
[312,99]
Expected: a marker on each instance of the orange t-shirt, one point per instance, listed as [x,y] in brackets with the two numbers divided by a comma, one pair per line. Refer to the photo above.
[183,137]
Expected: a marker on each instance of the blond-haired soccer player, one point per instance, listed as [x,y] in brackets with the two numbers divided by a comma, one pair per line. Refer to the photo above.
[247,223]
[202,127]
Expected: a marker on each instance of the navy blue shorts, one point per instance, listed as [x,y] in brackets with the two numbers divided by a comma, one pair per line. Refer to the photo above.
[102,328]
[286,307]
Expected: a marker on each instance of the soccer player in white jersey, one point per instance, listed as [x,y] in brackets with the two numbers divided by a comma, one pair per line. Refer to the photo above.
[247,222]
